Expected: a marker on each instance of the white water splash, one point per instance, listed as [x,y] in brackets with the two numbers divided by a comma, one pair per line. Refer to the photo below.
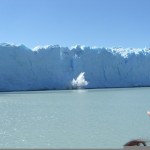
[80,81]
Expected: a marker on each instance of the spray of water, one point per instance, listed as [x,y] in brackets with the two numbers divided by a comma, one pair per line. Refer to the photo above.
[79,82]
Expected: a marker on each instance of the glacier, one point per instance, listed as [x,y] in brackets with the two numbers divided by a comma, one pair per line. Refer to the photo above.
[54,67]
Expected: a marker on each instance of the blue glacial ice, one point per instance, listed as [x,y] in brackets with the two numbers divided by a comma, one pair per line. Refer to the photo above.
[56,67]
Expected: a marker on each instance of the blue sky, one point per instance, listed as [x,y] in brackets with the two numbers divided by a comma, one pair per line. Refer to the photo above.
[103,23]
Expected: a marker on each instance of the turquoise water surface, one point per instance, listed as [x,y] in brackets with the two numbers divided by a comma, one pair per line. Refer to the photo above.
[101,118]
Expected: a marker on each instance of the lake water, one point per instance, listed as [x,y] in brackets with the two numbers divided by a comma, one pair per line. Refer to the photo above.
[101,118]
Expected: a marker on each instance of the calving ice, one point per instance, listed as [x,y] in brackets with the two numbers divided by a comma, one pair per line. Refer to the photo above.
[56,67]
[80,81]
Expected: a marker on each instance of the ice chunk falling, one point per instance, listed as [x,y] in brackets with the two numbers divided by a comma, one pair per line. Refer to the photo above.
[80,81]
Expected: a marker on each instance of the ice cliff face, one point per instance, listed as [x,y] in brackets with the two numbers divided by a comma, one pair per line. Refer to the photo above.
[55,67]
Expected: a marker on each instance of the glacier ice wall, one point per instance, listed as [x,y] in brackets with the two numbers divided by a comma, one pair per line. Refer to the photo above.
[54,67]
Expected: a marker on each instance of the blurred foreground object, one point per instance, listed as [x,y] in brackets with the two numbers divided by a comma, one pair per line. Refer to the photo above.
[136,143]
[148,113]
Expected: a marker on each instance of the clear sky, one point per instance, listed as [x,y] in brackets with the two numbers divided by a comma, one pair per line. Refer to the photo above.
[108,23]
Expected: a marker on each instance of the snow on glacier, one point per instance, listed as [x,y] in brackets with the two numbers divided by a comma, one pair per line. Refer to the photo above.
[55,67]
